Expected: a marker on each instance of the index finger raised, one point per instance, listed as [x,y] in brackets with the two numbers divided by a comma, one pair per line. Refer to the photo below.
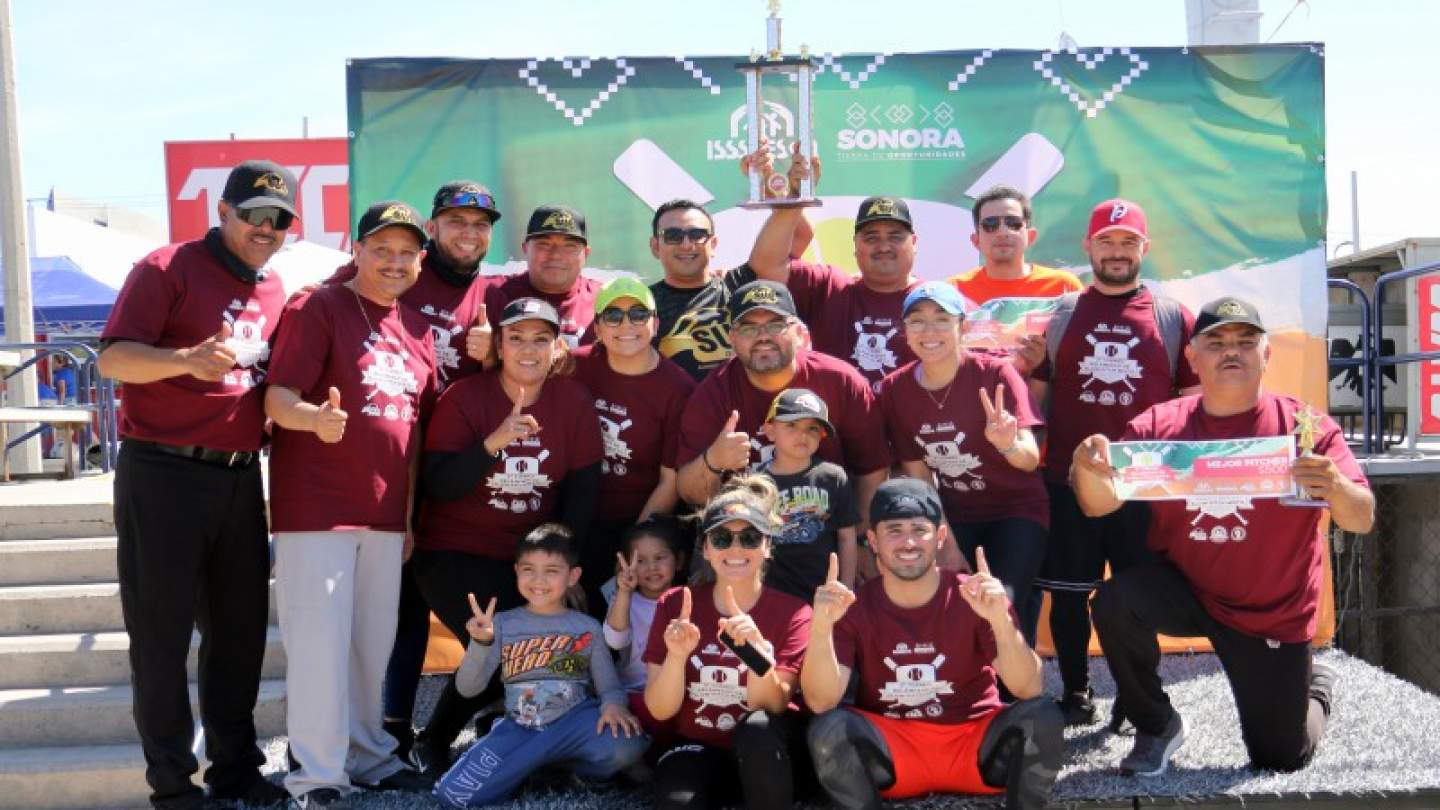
[1000,397]
[981,565]
[987,404]
[474,605]
[685,605]
[833,575]
[519,403]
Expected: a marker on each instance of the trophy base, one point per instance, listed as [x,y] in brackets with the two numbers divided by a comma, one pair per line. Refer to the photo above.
[788,202]
[1304,503]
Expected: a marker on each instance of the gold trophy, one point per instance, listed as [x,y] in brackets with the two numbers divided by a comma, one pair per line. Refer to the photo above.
[802,69]
[1307,425]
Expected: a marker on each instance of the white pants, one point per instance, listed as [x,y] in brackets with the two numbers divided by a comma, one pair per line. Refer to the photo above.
[338,594]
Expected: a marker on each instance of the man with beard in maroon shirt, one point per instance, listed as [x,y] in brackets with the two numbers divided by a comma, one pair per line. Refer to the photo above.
[556,247]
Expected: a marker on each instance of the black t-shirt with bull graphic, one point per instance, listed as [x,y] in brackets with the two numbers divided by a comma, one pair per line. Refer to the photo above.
[695,321]
[815,505]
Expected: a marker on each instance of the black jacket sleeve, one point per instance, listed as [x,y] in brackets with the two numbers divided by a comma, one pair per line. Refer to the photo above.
[450,476]
[579,493]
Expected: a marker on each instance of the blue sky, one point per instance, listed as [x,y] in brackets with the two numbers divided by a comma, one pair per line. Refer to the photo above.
[103,84]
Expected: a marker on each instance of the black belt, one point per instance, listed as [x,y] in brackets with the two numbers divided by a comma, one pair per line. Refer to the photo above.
[219,458]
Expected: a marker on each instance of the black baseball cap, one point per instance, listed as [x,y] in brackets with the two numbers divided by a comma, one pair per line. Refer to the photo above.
[1227,310]
[557,219]
[387,213]
[877,209]
[721,512]
[256,183]
[794,404]
[900,498]
[768,295]
[529,309]
[465,194]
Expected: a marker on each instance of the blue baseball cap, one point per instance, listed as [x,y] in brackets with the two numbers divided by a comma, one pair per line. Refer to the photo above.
[943,295]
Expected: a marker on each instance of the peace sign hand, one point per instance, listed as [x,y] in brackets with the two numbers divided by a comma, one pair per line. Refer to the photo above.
[985,594]
[832,599]
[626,574]
[681,634]
[1001,427]
[481,626]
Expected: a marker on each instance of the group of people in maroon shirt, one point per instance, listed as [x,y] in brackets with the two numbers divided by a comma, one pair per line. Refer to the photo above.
[423,417]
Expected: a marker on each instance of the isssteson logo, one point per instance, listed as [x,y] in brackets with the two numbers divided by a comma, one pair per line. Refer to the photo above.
[777,125]
[899,132]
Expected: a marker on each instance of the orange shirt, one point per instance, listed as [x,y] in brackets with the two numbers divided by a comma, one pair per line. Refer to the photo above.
[1043,282]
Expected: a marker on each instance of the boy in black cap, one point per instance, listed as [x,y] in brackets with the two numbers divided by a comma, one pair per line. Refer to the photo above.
[556,247]
[817,504]
[928,647]
[189,336]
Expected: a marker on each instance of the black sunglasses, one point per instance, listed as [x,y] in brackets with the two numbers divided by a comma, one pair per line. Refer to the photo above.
[612,316]
[468,199]
[1012,223]
[674,236]
[721,539]
[279,218]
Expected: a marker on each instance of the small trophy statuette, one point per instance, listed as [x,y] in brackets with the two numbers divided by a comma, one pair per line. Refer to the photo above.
[1307,427]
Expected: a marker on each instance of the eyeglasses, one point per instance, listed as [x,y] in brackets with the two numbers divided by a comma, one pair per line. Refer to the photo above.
[471,199]
[278,217]
[750,331]
[1011,222]
[613,316]
[674,236]
[721,539]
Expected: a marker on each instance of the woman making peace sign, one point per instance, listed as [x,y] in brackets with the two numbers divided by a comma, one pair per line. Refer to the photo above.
[964,420]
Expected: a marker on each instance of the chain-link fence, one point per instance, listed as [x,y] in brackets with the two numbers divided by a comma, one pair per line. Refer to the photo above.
[1387,583]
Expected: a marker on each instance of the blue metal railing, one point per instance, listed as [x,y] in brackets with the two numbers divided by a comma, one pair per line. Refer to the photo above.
[1379,362]
[1363,362]
[93,391]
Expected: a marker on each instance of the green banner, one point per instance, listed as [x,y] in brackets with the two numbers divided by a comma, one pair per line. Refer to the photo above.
[1224,147]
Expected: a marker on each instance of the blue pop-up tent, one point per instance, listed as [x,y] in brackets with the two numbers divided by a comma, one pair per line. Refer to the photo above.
[66,298]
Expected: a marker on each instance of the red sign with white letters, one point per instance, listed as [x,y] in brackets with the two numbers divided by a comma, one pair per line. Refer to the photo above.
[1427,289]
[195,173]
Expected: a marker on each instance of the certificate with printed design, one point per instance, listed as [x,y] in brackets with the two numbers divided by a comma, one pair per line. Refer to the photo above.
[1000,323]
[1163,471]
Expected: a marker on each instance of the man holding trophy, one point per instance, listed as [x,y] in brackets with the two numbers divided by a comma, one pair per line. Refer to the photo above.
[1254,593]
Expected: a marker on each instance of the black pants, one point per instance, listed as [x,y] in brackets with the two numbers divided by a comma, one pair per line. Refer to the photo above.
[1021,752]
[768,767]
[597,564]
[445,579]
[407,657]
[1279,721]
[192,550]
[1014,548]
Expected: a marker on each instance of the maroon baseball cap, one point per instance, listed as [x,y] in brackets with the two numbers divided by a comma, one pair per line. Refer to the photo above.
[1117,214]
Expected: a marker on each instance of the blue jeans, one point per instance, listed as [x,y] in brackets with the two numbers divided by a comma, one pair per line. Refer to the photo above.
[492,770]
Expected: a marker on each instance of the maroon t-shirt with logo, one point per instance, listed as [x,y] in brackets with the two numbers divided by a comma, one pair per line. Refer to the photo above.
[1255,565]
[1110,366]
[522,489]
[860,446]
[382,360]
[639,427]
[850,321]
[176,297]
[934,663]
[450,310]
[946,430]
[576,307]
[714,677]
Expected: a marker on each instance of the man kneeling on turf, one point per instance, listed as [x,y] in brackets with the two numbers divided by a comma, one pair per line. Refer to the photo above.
[553,664]
[929,645]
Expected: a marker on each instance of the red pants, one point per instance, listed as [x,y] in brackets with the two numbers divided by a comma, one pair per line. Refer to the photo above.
[933,757]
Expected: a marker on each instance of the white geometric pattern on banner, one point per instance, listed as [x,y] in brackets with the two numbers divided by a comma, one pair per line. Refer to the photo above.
[577,68]
[1091,108]
[830,61]
[964,75]
[705,81]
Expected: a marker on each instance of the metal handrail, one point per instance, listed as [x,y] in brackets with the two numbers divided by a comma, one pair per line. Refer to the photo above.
[1367,417]
[1379,361]
[88,382]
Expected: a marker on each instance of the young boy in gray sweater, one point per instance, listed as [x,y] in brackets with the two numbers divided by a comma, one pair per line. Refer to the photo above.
[563,701]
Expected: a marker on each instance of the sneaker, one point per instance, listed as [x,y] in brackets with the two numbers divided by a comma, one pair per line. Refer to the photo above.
[404,779]
[1151,753]
[258,793]
[1078,707]
[428,758]
[321,797]
[404,735]
[1322,685]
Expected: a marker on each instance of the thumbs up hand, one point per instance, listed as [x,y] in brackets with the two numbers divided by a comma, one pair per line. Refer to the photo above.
[832,599]
[212,358]
[479,337]
[731,448]
[330,419]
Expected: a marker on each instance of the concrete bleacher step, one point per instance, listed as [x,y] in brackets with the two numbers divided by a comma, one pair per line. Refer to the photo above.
[84,777]
[94,659]
[57,561]
[41,521]
[101,715]
[68,608]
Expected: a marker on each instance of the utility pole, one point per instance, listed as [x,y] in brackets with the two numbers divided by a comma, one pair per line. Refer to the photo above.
[14,243]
